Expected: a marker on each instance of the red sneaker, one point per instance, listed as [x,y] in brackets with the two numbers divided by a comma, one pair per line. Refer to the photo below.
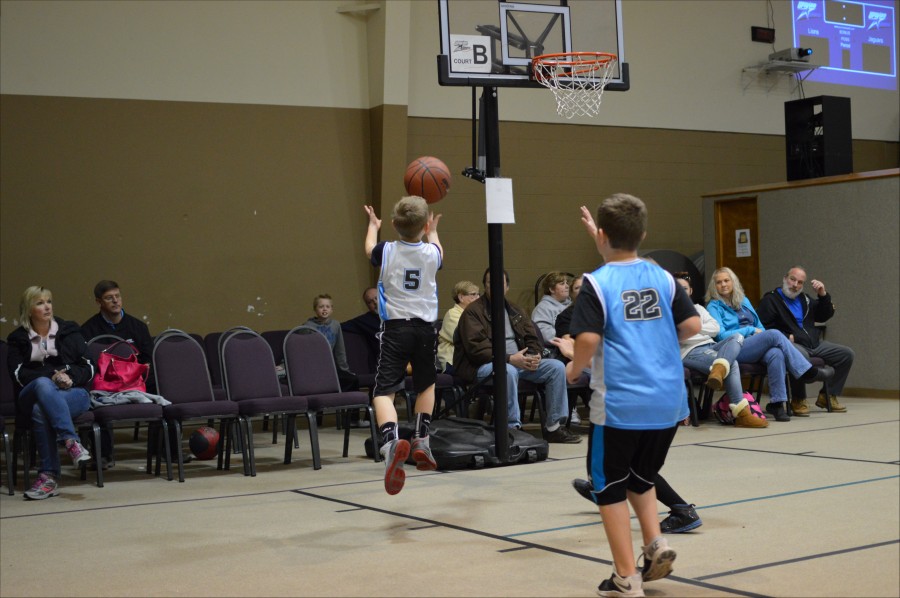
[395,454]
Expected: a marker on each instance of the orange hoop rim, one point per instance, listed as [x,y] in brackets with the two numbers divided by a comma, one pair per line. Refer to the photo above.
[580,58]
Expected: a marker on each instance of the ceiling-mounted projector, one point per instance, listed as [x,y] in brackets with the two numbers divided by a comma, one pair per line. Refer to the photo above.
[792,54]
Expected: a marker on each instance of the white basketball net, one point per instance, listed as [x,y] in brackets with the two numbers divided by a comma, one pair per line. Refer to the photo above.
[577,80]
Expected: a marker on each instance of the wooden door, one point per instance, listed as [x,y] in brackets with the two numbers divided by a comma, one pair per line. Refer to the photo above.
[734,248]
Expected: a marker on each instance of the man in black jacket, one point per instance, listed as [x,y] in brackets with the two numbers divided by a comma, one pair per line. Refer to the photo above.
[367,324]
[795,313]
[112,319]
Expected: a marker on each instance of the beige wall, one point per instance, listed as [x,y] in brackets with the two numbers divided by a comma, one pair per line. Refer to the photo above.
[843,231]
[213,215]
[259,52]
[208,215]
[307,53]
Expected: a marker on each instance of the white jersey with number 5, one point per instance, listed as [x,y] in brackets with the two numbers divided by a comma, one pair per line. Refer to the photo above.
[407,286]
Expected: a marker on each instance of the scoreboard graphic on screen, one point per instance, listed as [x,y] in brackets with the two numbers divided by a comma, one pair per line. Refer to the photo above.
[854,43]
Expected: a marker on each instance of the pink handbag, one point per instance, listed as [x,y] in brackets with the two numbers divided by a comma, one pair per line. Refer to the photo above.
[115,373]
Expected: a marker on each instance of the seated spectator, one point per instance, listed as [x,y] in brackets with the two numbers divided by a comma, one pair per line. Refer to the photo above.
[473,360]
[556,298]
[564,319]
[323,323]
[561,329]
[794,313]
[112,319]
[735,315]
[367,324]
[47,361]
[719,359]
[464,293]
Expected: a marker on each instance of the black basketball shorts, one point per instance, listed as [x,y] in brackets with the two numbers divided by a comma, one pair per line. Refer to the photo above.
[405,342]
[621,460]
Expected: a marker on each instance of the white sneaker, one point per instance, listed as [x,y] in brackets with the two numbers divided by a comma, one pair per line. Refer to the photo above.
[658,558]
[621,586]
[574,418]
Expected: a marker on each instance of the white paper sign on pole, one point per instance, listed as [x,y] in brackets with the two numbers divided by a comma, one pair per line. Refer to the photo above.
[499,197]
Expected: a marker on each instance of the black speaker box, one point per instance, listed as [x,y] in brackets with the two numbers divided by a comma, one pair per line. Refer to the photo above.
[818,137]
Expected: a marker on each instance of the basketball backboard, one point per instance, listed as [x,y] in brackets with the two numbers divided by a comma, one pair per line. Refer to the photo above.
[491,43]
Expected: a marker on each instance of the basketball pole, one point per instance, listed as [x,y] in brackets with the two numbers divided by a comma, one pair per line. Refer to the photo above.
[490,119]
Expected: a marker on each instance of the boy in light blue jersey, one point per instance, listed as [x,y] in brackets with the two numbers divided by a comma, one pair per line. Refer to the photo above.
[627,323]
[408,307]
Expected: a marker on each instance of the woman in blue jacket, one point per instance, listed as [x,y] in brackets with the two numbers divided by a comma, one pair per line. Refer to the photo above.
[728,304]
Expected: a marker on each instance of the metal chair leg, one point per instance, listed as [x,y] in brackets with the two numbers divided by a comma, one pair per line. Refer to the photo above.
[314,439]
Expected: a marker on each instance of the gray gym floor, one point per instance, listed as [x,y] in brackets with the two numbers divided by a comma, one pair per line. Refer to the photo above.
[806,508]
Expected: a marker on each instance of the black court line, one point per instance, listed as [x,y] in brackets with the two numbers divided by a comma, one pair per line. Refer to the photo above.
[204,498]
[519,544]
[516,549]
[145,504]
[799,559]
[804,455]
[766,435]
[716,505]
[762,436]
[249,494]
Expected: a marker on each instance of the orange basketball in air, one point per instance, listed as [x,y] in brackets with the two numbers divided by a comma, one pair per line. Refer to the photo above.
[428,177]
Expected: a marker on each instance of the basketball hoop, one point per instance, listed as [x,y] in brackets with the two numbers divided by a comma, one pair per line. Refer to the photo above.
[577,79]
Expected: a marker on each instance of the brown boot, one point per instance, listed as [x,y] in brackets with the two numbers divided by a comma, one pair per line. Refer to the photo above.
[799,407]
[746,419]
[835,406]
[717,374]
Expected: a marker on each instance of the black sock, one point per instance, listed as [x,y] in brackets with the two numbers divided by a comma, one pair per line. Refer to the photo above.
[388,432]
[666,494]
[423,423]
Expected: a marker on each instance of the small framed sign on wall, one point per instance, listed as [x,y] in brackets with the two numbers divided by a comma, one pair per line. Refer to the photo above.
[742,242]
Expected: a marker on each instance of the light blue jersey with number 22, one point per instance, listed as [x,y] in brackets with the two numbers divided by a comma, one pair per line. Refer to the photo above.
[637,375]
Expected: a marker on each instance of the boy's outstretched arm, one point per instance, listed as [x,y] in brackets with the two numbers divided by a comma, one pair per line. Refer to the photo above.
[432,235]
[584,350]
[372,231]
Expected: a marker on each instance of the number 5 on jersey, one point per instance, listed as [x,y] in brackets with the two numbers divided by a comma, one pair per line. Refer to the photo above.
[412,279]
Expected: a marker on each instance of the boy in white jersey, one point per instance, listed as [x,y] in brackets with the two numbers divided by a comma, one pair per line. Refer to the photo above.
[629,318]
[408,307]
